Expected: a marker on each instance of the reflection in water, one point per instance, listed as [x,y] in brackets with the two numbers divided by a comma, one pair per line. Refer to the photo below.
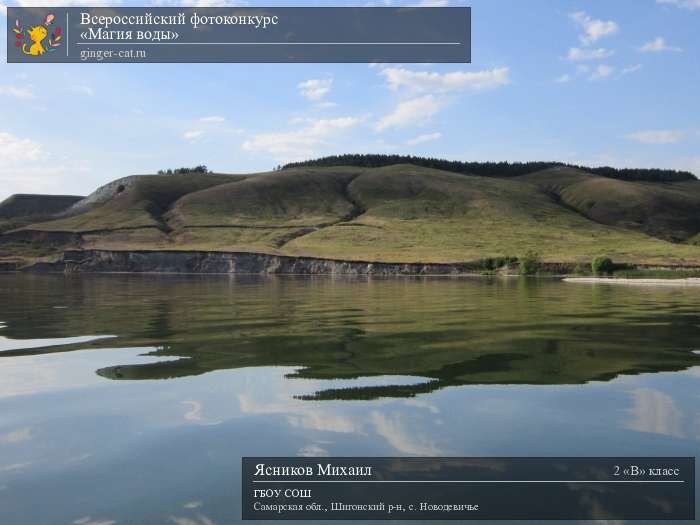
[88,520]
[148,426]
[443,332]
[14,344]
[405,440]
[654,411]
[17,436]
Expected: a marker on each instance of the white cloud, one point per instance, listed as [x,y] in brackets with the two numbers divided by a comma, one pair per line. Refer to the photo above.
[658,45]
[3,8]
[563,79]
[192,134]
[303,142]
[692,5]
[14,150]
[657,136]
[26,167]
[425,137]
[420,109]
[213,119]
[593,30]
[425,81]
[410,112]
[631,69]
[577,54]
[17,92]
[316,88]
[84,90]
[602,71]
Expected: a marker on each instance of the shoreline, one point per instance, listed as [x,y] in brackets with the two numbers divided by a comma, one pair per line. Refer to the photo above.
[199,262]
[683,281]
[204,262]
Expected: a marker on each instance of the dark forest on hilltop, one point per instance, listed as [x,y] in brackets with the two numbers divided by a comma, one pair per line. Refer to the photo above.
[490,169]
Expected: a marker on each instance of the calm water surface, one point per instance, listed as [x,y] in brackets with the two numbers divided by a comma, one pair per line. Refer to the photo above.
[130,399]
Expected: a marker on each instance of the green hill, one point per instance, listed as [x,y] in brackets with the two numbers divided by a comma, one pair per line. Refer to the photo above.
[667,211]
[23,208]
[399,213]
[23,205]
[132,202]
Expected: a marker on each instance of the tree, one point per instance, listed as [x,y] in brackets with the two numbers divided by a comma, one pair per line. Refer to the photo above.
[602,265]
[529,263]
[490,169]
[183,171]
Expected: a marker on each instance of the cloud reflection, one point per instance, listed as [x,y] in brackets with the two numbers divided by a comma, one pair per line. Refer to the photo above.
[17,436]
[87,520]
[198,520]
[195,410]
[407,441]
[313,451]
[655,412]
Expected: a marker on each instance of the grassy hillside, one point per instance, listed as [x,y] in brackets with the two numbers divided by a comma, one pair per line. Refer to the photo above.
[22,208]
[295,198]
[401,213]
[23,205]
[133,202]
[668,211]
[417,214]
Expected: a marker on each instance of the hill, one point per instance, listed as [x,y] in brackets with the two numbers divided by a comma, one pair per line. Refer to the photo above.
[399,213]
[667,211]
[24,205]
[23,208]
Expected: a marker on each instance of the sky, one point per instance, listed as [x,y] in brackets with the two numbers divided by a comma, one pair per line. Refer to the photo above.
[589,82]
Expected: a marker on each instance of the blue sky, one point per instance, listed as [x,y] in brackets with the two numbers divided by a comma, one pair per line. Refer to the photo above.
[589,81]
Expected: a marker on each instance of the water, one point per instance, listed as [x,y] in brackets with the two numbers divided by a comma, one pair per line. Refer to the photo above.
[130,399]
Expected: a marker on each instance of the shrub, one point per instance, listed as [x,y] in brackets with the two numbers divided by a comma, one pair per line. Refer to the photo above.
[601,265]
[491,264]
[183,171]
[529,263]
[580,269]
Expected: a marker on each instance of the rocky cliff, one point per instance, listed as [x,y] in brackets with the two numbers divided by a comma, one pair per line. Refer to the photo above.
[97,261]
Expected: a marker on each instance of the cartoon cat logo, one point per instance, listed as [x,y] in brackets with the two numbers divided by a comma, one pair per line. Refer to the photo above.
[37,35]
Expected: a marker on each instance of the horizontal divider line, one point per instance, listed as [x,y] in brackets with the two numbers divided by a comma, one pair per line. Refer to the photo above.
[468,481]
[269,43]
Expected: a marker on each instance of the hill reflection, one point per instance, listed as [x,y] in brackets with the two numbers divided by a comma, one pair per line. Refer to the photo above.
[443,331]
